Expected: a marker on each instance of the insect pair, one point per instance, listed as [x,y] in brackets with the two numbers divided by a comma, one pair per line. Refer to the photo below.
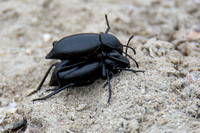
[84,58]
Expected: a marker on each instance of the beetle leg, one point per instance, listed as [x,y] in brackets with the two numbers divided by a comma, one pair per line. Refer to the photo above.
[55,88]
[108,28]
[125,69]
[109,86]
[107,82]
[103,70]
[105,74]
[55,92]
[45,76]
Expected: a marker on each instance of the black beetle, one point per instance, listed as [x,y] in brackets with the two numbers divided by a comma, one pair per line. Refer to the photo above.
[69,73]
[85,58]
[86,45]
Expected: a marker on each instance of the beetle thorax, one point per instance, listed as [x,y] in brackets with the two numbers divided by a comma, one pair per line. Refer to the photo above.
[110,42]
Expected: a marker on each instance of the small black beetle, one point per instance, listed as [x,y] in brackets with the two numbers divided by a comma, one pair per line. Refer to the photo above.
[86,45]
[70,73]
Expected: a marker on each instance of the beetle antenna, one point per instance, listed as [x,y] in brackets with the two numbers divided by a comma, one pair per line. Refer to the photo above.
[108,28]
[132,59]
[128,43]
[130,48]
[45,76]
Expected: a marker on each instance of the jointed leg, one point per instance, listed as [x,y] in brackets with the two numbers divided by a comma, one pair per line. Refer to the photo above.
[41,83]
[55,92]
[109,86]
[131,70]
[107,82]
[55,88]
[105,74]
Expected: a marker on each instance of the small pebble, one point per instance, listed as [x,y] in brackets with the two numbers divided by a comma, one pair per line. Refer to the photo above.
[81,107]
[1,118]
[192,77]
[194,34]
[29,91]
[46,37]
[28,51]
[34,20]
[133,125]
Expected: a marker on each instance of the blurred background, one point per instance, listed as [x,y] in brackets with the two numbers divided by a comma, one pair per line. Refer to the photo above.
[167,41]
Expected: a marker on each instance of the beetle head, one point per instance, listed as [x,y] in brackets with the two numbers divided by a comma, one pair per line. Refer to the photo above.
[51,54]
[111,42]
[115,59]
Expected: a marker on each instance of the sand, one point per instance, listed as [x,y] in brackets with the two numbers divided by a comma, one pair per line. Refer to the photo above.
[167,41]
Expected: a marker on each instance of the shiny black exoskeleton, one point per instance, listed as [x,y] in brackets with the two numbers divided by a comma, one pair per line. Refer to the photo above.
[86,58]
[69,73]
[86,45]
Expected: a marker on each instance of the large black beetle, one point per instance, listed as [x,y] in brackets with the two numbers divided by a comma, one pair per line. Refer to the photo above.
[86,45]
[70,73]
[85,58]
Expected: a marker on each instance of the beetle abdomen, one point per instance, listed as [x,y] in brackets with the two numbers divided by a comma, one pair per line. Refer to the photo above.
[86,72]
[75,46]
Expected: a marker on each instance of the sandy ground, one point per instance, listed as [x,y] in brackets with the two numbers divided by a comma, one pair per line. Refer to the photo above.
[167,41]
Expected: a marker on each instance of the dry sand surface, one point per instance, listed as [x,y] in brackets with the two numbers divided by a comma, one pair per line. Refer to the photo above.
[167,41]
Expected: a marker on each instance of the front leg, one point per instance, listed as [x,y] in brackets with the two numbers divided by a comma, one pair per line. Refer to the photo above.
[105,74]
[109,85]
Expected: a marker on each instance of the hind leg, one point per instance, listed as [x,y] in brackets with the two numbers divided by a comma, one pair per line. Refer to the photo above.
[44,78]
[54,92]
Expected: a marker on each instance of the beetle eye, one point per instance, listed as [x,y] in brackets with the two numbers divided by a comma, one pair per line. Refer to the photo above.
[54,43]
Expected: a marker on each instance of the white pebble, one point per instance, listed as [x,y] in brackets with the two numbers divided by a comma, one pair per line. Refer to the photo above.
[46,37]
[28,51]
[81,107]
[133,125]
[34,20]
